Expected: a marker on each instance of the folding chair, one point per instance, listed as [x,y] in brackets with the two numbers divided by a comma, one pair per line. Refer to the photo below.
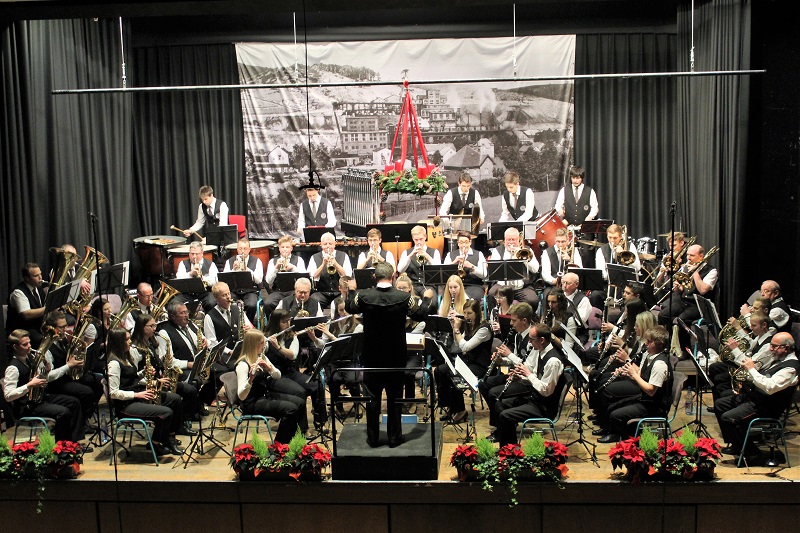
[231,384]
[678,380]
[550,423]
[35,424]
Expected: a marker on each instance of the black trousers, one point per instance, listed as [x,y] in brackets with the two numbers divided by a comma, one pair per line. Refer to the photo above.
[289,387]
[376,383]
[65,410]
[491,387]
[734,413]
[284,407]
[166,416]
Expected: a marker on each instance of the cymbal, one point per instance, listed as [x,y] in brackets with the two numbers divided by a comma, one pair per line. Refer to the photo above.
[667,234]
[590,243]
[646,257]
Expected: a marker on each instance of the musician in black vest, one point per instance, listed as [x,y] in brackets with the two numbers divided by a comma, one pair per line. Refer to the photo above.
[513,351]
[384,310]
[472,263]
[461,200]
[410,262]
[301,300]
[609,254]
[681,303]
[779,311]
[518,203]
[326,267]
[473,336]
[144,299]
[286,261]
[766,394]
[579,304]
[182,333]
[197,266]
[244,262]
[225,321]
[556,259]
[26,304]
[578,203]
[757,349]
[523,288]
[375,254]
[543,373]
[651,383]
[315,210]
[211,213]
[20,379]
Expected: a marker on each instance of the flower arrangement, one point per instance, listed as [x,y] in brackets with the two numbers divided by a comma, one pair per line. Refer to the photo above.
[647,457]
[40,459]
[534,459]
[298,459]
[412,181]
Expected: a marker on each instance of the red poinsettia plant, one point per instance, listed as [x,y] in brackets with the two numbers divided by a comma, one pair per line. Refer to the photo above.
[311,458]
[685,457]
[38,459]
[299,459]
[465,456]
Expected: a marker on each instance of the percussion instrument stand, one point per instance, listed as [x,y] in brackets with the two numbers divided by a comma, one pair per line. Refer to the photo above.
[578,384]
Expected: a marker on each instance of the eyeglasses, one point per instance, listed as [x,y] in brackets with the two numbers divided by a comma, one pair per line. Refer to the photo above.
[150,325]
[773,345]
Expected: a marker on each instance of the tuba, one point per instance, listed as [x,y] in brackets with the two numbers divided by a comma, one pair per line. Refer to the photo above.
[624,256]
[89,264]
[77,347]
[128,305]
[166,294]
[65,260]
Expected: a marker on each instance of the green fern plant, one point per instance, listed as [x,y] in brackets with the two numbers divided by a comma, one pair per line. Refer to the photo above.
[648,442]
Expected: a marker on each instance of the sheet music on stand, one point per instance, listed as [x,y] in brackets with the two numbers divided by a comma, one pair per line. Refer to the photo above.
[466,374]
[437,274]
[69,292]
[238,281]
[595,226]
[285,280]
[365,278]
[196,364]
[506,269]
[701,348]
[591,279]
[574,360]
[221,236]
[333,351]
[497,230]
[708,311]
[619,275]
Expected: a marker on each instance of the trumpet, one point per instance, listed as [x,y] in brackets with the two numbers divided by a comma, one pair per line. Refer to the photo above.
[374,256]
[461,272]
[330,264]
[282,264]
[422,258]
[240,264]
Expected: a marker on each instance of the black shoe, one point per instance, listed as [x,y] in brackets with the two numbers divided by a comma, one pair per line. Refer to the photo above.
[492,437]
[174,446]
[340,412]
[591,417]
[185,430]
[398,442]
[730,450]
[605,439]
[372,444]
[160,449]
[710,409]
[459,417]
[204,411]
[86,448]
[447,418]
[599,432]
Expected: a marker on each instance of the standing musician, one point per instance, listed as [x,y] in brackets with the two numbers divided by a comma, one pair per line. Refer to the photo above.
[461,200]
[472,265]
[543,376]
[643,389]
[384,310]
[474,337]
[285,262]
[301,300]
[578,203]
[145,345]
[211,213]
[315,210]
[681,302]
[20,380]
[243,262]
[26,304]
[132,397]
[326,267]
[144,299]
[518,202]
[609,252]
[557,258]
[375,254]
[197,266]
[255,375]
[412,260]
[523,289]
[513,351]
[779,309]
[766,394]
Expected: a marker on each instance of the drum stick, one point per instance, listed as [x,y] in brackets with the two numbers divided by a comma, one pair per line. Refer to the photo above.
[179,229]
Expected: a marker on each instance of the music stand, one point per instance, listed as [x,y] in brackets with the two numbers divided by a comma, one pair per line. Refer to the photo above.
[497,230]
[221,236]
[59,297]
[578,380]
[188,285]
[394,234]
[595,226]
[365,278]
[332,351]
[438,274]
[504,270]
[505,325]
[618,275]
[313,234]
[285,280]
[238,282]
[196,364]
[591,279]
[699,427]
[708,312]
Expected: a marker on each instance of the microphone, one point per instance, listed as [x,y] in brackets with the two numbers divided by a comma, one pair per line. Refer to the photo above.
[92,216]
[672,207]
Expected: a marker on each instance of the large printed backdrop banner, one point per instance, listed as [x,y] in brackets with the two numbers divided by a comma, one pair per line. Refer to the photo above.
[481,128]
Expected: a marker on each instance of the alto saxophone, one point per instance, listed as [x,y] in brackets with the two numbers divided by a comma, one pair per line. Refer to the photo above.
[151,382]
[171,371]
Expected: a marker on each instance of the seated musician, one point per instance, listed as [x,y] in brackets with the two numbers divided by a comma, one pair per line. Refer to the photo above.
[462,199]
[779,312]
[375,254]
[579,304]
[244,262]
[542,377]
[643,389]
[518,203]
[26,304]
[628,345]
[556,259]
[133,395]
[182,333]
[560,319]
[513,351]
[285,262]
[223,322]
[326,267]
[411,260]
[471,264]
[453,299]
[766,393]
[300,303]
[197,266]
[523,289]
[632,304]
[613,252]
[504,300]
[474,337]
[283,348]
[145,344]
[95,335]
[681,303]
[255,375]
[20,381]
[676,246]
[415,357]
[211,213]
[578,203]
[144,299]
[315,210]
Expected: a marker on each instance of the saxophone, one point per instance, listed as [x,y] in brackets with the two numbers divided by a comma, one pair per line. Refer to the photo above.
[171,370]
[151,381]
[240,330]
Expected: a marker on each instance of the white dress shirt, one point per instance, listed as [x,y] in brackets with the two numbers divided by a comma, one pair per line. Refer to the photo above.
[529,203]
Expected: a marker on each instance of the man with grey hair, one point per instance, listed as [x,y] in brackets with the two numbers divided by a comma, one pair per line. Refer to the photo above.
[301,300]
[779,309]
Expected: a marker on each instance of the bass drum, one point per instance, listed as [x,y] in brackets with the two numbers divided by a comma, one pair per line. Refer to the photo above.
[435,235]
[258,249]
[546,227]
[152,253]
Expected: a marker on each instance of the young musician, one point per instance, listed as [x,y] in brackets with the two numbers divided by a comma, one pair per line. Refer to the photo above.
[285,262]
[461,200]
[211,213]
[315,210]
[375,254]
[244,262]
[578,203]
[471,264]
[518,203]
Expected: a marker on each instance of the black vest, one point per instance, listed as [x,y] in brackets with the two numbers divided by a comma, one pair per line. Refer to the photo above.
[371,264]
[222,328]
[780,303]
[180,348]
[284,364]
[321,218]
[710,294]
[251,262]
[473,257]
[549,403]
[292,260]
[555,261]
[413,270]
[290,304]
[212,216]
[327,282]
[20,404]
[606,250]
[128,381]
[457,207]
[14,319]
[205,265]
[576,210]
[662,399]
[773,405]
[516,212]
[481,355]
[258,389]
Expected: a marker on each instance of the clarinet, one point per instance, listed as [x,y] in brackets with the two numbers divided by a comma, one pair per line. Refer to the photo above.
[618,373]
[612,358]
[511,377]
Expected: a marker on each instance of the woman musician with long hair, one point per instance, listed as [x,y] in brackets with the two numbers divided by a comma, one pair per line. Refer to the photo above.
[254,372]
[453,299]
[473,336]
[132,398]
[559,318]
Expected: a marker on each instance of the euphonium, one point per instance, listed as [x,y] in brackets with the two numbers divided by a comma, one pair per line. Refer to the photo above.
[65,260]
[624,256]
[166,293]
[686,278]
[128,305]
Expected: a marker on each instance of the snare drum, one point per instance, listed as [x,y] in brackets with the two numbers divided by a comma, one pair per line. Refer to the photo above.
[258,249]
[181,253]
[646,246]
[152,253]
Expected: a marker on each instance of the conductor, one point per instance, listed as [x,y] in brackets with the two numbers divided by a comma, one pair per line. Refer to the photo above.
[384,311]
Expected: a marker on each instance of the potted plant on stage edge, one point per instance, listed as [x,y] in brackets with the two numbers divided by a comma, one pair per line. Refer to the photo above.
[297,460]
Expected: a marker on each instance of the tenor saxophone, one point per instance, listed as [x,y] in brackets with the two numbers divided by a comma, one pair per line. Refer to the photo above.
[151,382]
